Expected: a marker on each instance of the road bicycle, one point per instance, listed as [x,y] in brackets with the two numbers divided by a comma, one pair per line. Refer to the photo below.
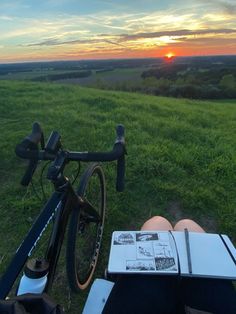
[85,207]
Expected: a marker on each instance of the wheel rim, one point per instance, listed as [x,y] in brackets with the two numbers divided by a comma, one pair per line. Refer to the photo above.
[89,229]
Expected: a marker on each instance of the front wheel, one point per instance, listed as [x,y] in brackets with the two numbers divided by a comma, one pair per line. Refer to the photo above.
[86,228]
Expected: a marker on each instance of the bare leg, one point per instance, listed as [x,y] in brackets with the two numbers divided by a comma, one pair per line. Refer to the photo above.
[189,224]
[157,223]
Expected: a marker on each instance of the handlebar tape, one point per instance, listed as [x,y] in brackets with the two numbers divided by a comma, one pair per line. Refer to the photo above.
[120,176]
[25,147]
[29,172]
[120,132]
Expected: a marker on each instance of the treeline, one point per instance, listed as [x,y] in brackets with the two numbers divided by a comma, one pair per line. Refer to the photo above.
[105,70]
[213,81]
[63,76]
[189,88]
[179,88]
[192,80]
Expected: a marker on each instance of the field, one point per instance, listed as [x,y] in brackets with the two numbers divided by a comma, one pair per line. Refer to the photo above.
[110,78]
[181,160]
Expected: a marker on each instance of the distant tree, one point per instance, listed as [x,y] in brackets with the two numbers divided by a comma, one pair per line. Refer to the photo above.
[163,85]
[175,91]
[228,82]
[180,81]
[192,79]
[186,91]
[228,85]
[63,76]
[149,85]
[150,81]
[211,92]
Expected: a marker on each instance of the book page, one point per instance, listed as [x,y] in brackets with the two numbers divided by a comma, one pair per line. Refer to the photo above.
[209,256]
[142,251]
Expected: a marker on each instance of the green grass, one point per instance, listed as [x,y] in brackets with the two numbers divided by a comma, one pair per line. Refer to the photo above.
[181,156]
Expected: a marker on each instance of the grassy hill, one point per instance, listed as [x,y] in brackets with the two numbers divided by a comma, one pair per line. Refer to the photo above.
[181,160]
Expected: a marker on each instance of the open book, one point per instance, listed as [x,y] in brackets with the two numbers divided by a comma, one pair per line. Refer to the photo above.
[173,252]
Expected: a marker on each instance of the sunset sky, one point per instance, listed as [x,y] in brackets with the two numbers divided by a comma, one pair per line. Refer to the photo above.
[100,29]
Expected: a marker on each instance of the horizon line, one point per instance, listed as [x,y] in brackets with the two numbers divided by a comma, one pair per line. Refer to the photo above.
[115,59]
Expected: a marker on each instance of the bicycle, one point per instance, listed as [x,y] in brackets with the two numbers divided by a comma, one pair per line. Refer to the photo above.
[87,217]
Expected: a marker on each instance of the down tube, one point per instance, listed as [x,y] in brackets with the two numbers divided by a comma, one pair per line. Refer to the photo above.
[24,250]
[58,233]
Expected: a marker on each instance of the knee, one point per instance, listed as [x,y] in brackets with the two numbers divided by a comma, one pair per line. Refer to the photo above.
[157,223]
[189,224]
[183,223]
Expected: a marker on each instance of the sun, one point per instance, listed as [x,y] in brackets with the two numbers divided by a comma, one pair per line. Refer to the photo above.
[169,55]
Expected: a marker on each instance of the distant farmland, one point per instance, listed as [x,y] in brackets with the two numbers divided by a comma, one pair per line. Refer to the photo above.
[109,77]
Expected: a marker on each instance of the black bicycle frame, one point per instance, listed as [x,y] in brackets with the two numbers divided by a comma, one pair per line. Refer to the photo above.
[58,208]
[62,201]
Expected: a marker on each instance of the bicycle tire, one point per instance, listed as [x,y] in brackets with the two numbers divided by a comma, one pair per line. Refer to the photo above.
[85,232]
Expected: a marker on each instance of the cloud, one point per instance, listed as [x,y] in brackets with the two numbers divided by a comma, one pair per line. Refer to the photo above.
[130,40]
[183,32]
[228,6]
[204,46]
[6,18]
[56,42]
